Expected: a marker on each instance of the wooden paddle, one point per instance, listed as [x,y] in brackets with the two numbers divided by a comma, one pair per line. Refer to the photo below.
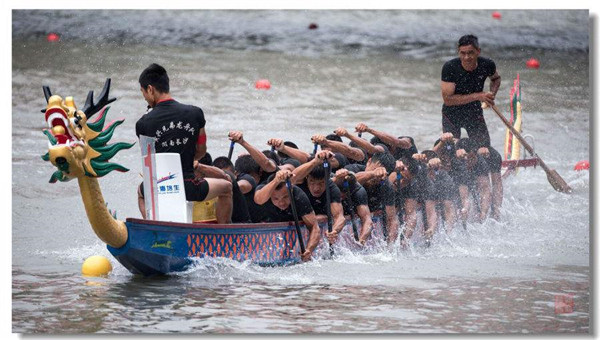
[351,205]
[328,201]
[557,182]
[293,204]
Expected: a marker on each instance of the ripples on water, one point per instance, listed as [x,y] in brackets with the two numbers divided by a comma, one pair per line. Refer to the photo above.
[494,277]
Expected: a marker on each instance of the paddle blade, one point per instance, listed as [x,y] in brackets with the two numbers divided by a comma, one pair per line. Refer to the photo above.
[557,182]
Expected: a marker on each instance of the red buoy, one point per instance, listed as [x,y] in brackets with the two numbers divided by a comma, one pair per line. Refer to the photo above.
[582,165]
[532,63]
[263,84]
[52,37]
[497,15]
[313,26]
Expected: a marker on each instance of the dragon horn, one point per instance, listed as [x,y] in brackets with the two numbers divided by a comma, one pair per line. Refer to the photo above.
[47,92]
[90,108]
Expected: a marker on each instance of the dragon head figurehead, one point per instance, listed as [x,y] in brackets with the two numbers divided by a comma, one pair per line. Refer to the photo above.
[78,147]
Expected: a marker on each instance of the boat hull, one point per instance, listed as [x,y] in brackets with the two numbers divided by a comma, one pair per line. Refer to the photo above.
[159,248]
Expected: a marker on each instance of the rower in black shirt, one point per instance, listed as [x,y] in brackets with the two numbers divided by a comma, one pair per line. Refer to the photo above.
[476,176]
[311,178]
[375,180]
[355,200]
[275,199]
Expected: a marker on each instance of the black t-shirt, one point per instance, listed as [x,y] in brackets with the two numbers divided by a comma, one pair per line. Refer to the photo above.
[257,213]
[467,83]
[176,127]
[274,214]
[468,175]
[239,213]
[358,196]
[380,194]
[419,188]
[319,203]
[443,188]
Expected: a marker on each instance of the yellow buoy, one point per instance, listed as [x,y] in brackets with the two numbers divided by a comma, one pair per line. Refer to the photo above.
[96,266]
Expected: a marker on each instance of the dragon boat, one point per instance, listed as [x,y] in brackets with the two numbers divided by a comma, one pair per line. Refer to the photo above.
[78,147]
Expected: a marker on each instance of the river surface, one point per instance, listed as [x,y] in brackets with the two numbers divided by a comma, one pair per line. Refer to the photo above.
[378,67]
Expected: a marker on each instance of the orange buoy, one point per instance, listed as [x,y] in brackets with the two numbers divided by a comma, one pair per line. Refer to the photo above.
[52,37]
[497,15]
[263,84]
[532,63]
[313,26]
[582,165]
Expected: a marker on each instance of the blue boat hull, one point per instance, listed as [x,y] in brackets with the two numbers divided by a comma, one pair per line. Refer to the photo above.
[159,248]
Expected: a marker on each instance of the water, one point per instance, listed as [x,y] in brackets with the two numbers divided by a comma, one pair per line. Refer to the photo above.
[378,67]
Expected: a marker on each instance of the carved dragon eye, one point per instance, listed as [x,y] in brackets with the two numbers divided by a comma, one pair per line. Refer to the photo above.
[77,120]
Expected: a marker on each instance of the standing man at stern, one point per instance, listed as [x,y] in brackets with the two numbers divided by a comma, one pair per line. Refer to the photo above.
[463,79]
[179,128]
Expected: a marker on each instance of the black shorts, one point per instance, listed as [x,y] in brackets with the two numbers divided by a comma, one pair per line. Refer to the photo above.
[474,124]
[195,190]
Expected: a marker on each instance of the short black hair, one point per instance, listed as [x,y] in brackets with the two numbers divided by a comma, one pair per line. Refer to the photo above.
[468,39]
[206,159]
[429,154]
[411,164]
[400,152]
[467,144]
[385,159]
[156,76]
[245,164]
[222,162]
[318,172]
[333,136]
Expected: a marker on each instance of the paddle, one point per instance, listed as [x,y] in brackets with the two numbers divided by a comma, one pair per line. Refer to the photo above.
[328,201]
[557,182]
[351,205]
[295,214]
[315,150]
[231,149]
[398,178]
[384,217]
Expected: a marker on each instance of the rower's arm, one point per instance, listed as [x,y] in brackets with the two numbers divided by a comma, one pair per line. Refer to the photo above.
[364,176]
[300,155]
[392,223]
[483,184]
[314,232]
[303,170]
[388,139]
[363,143]
[452,99]
[410,213]
[262,195]
[200,146]
[245,186]
[495,83]
[367,223]
[346,150]
[263,161]
[204,171]
[338,217]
